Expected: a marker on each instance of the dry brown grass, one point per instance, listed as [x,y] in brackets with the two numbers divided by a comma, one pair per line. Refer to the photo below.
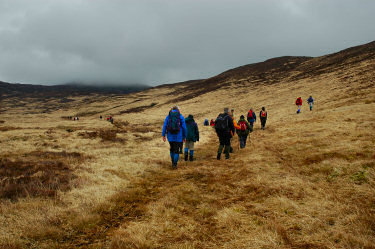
[38,173]
[307,181]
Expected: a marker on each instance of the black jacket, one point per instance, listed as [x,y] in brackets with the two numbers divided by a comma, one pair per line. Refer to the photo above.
[263,118]
[230,130]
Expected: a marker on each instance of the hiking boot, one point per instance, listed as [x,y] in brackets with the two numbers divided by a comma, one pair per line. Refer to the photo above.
[231,150]
[226,156]
[191,158]
[174,165]
[186,157]
[218,156]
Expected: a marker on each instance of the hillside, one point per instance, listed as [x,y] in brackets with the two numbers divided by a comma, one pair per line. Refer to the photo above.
[307,181]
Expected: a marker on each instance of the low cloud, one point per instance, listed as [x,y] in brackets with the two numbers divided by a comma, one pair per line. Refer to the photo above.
[164,41]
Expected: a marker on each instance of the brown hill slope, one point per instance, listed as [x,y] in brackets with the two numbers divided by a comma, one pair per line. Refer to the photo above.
[287,68]
[307,181]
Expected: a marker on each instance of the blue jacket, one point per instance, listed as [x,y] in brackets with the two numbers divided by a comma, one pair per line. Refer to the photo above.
[175,137]
[310,100]
[252,120]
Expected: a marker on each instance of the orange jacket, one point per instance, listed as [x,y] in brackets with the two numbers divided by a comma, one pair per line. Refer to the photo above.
[236,126]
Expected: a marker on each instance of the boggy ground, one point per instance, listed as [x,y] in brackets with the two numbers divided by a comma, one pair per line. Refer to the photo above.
[307,181]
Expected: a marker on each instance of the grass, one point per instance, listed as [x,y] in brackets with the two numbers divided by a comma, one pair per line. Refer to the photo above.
[38,173]
[307,181]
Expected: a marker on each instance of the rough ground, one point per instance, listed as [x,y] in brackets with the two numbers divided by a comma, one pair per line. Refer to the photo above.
[307,181]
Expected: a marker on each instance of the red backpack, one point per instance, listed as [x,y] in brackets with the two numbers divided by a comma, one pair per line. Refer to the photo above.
[250,115]
[263,114]
[243,125]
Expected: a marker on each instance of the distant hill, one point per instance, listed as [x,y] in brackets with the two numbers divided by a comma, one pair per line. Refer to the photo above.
[277,69]
[8,90]
[268,72]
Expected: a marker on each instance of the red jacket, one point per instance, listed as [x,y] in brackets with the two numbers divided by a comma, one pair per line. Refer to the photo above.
[299,101]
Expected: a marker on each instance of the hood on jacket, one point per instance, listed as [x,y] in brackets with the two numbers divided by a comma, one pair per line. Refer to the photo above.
[189,119]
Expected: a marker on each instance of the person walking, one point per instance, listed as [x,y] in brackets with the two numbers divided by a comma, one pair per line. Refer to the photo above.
[251,118]
[224,129]
[310,101]
[244,131]
[175,129]
[299,104]
[263,117]
[236,127]
[212,123]
[192,136]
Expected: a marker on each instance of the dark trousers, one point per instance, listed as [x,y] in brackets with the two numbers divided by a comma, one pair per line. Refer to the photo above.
[263,123]
[251,126]
[175,147]
[251,123]
[243,141]
[224,144]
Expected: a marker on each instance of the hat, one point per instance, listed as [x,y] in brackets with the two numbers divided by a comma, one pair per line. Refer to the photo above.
[242,117]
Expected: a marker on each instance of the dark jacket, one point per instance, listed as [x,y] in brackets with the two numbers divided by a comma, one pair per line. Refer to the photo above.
[230,130]
[241,133]
[263,118]
[253,119]
[310,100]
[192,129]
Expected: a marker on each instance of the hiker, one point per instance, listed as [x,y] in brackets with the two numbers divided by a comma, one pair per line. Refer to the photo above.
[263,117]
[192,136]
[251,118]
[212,123]
[224,129]
[175,129]
[206,123]
[236,127]
[299,104]
[101,117]
[244,131]
[310,101]
[111,120]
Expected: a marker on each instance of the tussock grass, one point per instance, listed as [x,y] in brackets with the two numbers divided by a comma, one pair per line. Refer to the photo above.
[307,181]
[38,173]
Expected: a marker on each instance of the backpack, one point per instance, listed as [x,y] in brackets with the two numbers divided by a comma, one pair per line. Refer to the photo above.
[221,123]
[174,122]
[263,114]
[250,115]
[243,125]
[298,101]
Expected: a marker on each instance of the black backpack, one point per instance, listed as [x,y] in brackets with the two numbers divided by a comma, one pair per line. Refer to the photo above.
[221,123]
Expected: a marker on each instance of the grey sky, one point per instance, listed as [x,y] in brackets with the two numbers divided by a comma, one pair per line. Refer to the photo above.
[164,41]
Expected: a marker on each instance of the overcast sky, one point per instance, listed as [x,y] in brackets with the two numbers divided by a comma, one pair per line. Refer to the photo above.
[163,41]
